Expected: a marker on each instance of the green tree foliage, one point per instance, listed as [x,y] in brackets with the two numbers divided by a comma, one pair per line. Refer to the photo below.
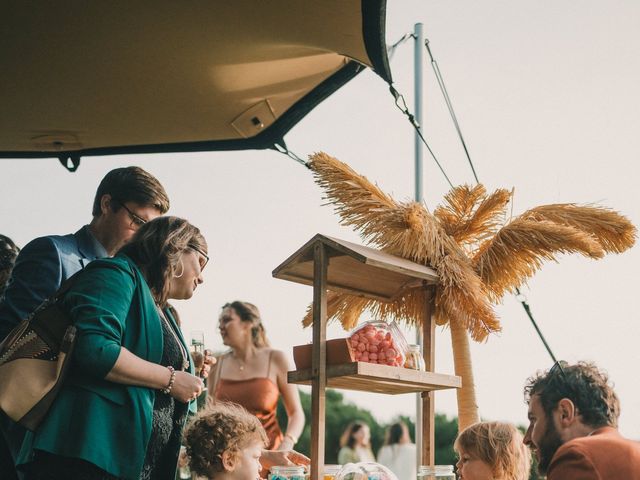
[340,413]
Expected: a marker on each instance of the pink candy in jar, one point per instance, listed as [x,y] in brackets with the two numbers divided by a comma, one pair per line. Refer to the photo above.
[379,342]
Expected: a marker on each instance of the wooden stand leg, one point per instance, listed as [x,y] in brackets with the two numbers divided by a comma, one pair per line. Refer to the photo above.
[428,403]
[319,361]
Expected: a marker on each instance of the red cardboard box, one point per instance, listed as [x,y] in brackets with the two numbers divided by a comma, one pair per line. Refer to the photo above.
[338,351]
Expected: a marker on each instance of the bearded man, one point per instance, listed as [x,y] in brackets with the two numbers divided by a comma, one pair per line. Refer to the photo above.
[573,426]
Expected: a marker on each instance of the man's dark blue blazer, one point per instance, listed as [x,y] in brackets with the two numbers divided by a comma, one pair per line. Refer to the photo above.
[41,267]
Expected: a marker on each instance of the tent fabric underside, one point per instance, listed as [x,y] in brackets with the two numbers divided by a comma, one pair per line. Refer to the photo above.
[97,78]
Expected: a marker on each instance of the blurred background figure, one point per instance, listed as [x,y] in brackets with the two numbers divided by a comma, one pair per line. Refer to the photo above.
[254,375]
[398,452]
[355,444]
[492,451]
[8,253]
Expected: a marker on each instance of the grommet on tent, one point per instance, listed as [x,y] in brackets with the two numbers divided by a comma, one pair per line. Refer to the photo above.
[69,161]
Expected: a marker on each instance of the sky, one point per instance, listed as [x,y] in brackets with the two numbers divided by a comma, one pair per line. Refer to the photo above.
[546,95]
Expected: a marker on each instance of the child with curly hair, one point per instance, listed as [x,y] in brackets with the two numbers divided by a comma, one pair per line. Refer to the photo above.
[225,442]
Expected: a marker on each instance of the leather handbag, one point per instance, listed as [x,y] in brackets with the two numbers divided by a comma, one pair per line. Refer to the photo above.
[34,359]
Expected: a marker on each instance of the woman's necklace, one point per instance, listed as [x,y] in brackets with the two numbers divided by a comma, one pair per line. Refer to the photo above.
[183,351]
[241,363]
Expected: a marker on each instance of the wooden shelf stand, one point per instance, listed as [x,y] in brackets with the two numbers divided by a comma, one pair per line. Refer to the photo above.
[329,263]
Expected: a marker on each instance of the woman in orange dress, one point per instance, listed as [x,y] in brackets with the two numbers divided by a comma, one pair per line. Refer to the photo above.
[255,376]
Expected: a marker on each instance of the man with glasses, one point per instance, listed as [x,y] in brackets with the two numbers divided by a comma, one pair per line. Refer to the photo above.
[126,199]
[573,420]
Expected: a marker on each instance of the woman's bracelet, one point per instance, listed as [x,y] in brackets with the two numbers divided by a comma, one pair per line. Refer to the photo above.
[167,390]
[293,439]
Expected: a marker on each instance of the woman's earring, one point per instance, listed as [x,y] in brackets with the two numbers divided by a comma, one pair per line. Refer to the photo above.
[181,271]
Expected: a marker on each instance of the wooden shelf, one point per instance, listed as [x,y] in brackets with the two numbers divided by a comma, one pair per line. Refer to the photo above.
[356,270]
[369,377]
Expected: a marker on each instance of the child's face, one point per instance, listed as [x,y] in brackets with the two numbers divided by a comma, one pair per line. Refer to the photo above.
[248,463]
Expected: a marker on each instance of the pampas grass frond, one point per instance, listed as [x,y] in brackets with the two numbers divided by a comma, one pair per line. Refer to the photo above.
[469,215]
[343,307]
[613,231]
[477,261]
[518,250]
[358,202]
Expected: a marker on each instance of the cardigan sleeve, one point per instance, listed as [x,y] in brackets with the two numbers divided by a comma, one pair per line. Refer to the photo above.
[99,303]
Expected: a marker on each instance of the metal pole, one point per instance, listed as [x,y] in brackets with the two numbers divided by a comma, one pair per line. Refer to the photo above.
[418,62]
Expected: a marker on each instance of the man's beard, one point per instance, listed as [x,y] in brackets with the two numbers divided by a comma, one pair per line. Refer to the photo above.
[548,446]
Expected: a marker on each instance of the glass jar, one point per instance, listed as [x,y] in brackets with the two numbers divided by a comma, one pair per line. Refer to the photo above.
[379,342]
[365,471]
[436,472]
[330,471]
[278,472]
[414,360]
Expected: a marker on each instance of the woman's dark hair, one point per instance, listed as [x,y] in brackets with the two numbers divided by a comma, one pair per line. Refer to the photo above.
[394,433]
[157,247]
[248,312]
[8,254]
[348,436]
[584,384]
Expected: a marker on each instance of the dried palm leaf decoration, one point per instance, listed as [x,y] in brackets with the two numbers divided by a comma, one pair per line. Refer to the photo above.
[478,253]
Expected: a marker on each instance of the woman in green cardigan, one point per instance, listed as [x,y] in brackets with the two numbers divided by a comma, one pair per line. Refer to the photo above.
[122,409]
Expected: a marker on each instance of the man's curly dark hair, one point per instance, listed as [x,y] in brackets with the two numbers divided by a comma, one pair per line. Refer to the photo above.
[219,428]
[585,385]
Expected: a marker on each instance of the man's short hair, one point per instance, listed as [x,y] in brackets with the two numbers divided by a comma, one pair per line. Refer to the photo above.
[585,385]
[131,184]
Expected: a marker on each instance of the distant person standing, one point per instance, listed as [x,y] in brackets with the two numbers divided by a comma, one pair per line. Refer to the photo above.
[254,375]
[126,199]
[355,443]
[398,452]
[8,253]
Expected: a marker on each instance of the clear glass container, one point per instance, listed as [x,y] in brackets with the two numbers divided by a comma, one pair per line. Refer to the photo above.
[286,473]
[330,471]
[365,471]
[414,360]
[379,342]
[436,472]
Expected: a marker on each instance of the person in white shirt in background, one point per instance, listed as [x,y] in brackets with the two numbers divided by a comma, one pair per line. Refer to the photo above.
[398,452]
[355,444]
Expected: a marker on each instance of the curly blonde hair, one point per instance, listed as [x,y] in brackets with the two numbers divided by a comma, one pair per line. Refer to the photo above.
[499,445]
[219,428]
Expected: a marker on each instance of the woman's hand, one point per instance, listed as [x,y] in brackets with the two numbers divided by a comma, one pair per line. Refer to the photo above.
[270,458]
[186,387]
[209,361]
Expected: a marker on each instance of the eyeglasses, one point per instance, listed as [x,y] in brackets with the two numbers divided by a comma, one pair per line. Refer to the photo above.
[557,367]
[136,221]
[206,257]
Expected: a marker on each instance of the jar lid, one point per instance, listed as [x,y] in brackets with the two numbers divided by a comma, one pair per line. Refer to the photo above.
[332,469]
[435,469]
[287,471]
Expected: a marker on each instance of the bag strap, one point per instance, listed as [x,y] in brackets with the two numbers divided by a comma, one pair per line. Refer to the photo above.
[66,285]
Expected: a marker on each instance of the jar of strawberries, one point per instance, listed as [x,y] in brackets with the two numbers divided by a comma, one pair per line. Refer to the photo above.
[379,342]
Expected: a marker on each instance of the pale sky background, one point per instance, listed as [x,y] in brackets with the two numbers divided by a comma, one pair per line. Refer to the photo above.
[546,93]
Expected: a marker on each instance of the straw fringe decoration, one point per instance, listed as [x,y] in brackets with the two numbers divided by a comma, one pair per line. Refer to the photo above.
[478,255]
